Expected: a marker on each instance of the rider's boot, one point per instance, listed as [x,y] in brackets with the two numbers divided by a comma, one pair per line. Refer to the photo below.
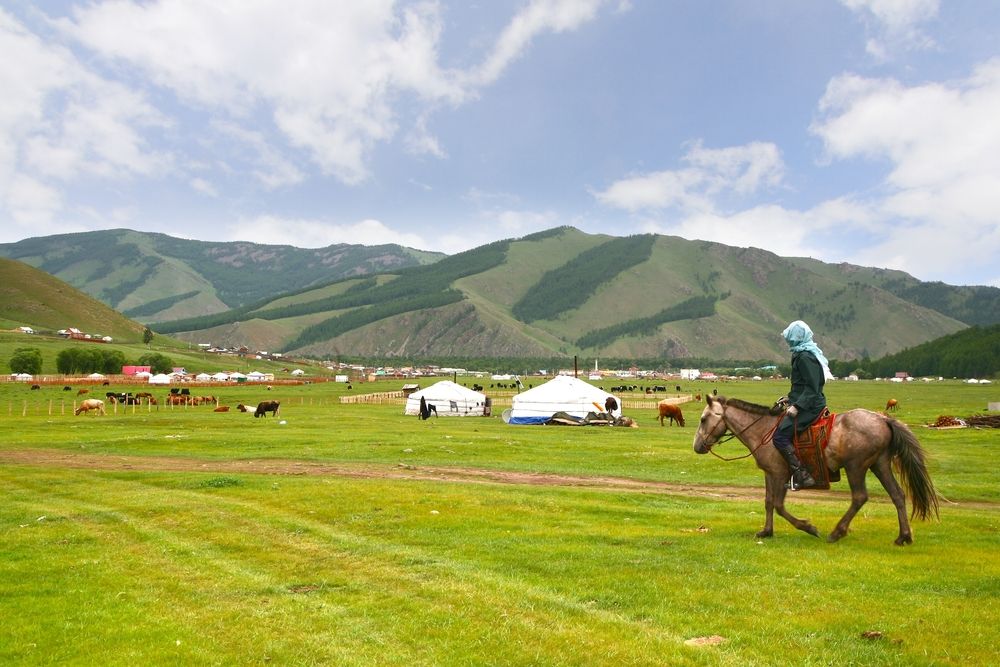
[801,479]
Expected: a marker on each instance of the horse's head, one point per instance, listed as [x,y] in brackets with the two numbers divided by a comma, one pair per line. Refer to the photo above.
[712,425]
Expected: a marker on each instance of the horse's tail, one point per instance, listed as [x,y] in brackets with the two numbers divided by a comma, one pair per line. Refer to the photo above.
[909,457]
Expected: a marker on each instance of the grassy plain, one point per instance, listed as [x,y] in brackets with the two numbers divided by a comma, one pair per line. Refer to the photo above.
[350,534]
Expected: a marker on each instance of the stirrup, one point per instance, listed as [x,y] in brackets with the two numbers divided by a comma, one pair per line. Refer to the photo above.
[791,484]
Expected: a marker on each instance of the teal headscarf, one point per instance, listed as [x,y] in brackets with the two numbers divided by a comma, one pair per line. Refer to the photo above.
[799,337]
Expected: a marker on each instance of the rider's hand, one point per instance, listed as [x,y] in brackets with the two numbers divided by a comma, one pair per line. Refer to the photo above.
[792,411]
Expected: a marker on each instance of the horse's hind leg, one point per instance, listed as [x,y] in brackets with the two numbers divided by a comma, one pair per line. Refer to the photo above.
[883,471]
[859,496]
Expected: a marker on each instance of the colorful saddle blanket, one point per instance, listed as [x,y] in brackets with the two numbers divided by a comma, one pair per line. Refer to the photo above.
[810,445]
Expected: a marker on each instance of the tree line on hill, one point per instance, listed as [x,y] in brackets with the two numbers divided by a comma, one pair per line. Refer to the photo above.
[973,352]
[79,360]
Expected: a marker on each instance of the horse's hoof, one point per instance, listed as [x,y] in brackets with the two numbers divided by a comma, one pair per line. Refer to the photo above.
[812,530]
[833,537]
[764,533]
[903,540]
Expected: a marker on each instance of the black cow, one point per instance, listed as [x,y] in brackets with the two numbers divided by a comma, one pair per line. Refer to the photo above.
[267,406]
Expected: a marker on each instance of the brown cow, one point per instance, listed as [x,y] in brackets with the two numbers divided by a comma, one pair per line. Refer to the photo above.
[81,392]
[891,405]
[222,408]
[91,404]
[670,410]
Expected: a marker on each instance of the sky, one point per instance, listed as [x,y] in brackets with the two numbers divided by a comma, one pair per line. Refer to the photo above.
[860,131]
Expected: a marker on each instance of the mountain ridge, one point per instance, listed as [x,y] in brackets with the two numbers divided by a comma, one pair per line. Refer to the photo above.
[753,293]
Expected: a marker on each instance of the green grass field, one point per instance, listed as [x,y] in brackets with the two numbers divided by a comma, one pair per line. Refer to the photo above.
[350,534]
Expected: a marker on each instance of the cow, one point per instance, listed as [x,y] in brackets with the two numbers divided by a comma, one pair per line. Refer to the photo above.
[67,388]
[241,407]
[267,406]
[670,410]
[35,387]
[146,395]
[222,408]
[91,404]
[81,392]
[177,399]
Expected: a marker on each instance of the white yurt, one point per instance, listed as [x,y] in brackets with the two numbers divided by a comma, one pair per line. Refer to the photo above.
[221,377]
[203,377]
[449,400]
[159,378]
[560,394]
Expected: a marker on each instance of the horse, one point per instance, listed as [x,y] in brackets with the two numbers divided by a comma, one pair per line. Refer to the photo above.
[267,406]
[860,440]
[91,404]
[670,410]
[891,405]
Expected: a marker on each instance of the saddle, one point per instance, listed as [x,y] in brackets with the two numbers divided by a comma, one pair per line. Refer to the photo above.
[810,445]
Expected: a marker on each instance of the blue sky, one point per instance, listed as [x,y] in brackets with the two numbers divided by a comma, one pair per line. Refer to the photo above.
[861,131]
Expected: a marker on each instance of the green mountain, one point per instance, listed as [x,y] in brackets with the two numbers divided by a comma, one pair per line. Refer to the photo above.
[564,292]
[156,277]
[31,297]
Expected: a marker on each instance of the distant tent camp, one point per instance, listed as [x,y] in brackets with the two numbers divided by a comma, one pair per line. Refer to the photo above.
[560,394]
[203,377]
[449,400]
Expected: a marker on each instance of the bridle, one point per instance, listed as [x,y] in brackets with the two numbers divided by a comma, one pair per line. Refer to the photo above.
[728,435]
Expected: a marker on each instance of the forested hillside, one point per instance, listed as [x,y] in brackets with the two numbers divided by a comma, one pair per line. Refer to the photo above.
[563,292]
[971,353]
[159,277]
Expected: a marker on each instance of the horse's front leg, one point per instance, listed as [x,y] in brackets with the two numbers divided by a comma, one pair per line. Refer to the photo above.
[859,496]
[768,529]
[778,484]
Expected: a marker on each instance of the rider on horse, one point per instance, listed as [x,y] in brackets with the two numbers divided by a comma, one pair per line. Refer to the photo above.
[806,401]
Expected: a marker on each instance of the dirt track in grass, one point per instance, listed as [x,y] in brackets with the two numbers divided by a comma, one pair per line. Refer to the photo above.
[117,463]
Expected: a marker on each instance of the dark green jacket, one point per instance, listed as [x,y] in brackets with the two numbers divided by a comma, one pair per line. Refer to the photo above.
[806,393]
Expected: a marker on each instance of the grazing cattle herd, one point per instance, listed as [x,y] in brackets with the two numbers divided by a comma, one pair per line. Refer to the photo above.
[665,409]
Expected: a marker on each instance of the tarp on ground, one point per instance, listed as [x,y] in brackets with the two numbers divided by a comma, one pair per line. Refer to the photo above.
[560,394]
[449,399]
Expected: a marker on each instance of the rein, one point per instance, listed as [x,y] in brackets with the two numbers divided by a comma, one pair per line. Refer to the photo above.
[724,439]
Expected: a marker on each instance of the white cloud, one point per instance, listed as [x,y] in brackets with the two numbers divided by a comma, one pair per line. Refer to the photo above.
[59,121]
[786,232]
[31,204]
[896,23]
[739,170]
[267,164]
[537,17]
[329,74]
[204,187]
[942,144]
[313,233]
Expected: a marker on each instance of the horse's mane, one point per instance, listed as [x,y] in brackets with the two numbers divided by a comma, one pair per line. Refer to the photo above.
[752,408]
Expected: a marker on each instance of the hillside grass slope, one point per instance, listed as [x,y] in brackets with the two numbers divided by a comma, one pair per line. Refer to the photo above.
[564,292]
